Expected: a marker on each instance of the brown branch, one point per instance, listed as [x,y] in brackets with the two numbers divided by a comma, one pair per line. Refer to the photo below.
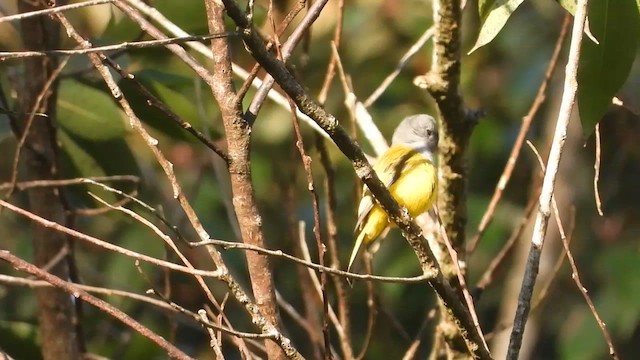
[285,52]
[488,275]
[312,265]
[321,248]
[58,318]
[222,272]
[104,244]
[574,269]
[339,283]
[363,169]
[331,68]
[105,307]
[25,185]
[248,81]
[12,55]
[52,10]
[238,132]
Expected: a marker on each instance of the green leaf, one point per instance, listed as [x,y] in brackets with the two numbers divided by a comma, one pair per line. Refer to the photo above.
[494,15]
[604,67]
[569,5]
[89,113]
[83,158]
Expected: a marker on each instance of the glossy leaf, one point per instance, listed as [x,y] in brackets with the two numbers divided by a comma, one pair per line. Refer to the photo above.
[86,158]
[89,113]
[569,5]
[604,67]
[494,15]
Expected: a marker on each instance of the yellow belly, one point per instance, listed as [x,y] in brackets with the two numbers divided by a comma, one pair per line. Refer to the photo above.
[415,189]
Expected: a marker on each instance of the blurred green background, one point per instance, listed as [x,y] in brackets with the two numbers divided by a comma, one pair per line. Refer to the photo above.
[501,78]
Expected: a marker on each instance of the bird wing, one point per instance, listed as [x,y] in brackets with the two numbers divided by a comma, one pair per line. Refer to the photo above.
[388,167]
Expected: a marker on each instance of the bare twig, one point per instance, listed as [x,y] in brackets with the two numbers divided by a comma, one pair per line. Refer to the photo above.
[204,50]
[401,64]
[306,162]
[78,293]
[335,44]
[312,265]
[339,283]
[29,122]
[596,168]
[364,170]
[25,185]
[238,134]
[11,55]
[222,272]
[544,209]
[410,354]
[522,134]
[53,10]
[285,52]
[488,275]
[574,269]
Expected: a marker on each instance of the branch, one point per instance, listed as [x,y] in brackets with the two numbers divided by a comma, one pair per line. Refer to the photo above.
[78,293]
[544,207]
[363,169]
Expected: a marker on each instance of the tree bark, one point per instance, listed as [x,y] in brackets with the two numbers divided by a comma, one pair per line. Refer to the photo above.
[238,134]
[56,315]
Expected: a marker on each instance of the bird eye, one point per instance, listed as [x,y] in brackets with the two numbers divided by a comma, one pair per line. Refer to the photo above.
[429,132]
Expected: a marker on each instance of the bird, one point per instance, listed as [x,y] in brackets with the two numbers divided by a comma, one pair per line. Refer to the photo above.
[409,170]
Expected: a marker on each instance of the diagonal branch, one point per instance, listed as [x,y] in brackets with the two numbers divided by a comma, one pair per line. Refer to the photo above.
[363,169]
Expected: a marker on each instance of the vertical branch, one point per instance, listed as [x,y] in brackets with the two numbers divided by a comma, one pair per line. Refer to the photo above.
[306,162]
[55,307]
[544,206]
[342,294]
[238,132]
[443,83]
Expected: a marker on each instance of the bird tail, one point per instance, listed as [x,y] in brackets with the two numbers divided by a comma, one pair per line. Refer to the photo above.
[357,249]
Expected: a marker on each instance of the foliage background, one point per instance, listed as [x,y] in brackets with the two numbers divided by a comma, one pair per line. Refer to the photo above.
[501,78]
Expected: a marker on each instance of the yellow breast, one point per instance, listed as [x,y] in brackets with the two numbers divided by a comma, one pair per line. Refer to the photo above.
[413,181]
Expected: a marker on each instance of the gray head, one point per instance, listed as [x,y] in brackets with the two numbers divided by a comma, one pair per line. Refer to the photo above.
[419,132]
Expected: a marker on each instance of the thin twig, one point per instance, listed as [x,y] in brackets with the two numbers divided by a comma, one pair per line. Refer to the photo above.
[488,275]
[522,134]
[410,354]
[25,185]
[105,307]
[544,208]
[339,283]
[104,244]
[312,265]
[306,162]
[372,310]
[328,122]
[331,68]
[285,52]
[29,122]
[401,64]
[574,269]
[12,55]
[222,271]
[596,168]
[53,10]
[173,29]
